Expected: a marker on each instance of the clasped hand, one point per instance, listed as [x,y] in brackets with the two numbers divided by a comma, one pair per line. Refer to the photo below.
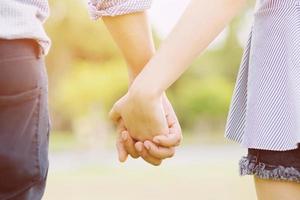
[147,127]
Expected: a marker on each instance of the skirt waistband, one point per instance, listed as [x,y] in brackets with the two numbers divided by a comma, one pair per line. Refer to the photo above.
[18,48]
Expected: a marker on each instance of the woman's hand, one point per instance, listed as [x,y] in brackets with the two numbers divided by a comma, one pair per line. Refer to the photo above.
[143,116]
[151,152]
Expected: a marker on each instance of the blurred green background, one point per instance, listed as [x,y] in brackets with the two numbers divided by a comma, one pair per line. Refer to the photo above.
[87,75]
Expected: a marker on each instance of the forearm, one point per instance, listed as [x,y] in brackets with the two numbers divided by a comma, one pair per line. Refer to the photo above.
[200,24]
[132,34]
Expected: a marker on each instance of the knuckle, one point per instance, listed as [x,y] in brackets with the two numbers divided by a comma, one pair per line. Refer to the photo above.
[153,150]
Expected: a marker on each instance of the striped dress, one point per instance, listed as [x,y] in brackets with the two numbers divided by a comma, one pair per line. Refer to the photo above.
[264,111]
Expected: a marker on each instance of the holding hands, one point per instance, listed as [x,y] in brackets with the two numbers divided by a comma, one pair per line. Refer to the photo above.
[147,127]
[146,122]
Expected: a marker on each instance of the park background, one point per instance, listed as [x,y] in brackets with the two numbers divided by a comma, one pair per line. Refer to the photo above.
[87,75]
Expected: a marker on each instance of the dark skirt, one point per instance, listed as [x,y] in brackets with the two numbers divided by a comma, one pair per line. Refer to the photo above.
[275,165]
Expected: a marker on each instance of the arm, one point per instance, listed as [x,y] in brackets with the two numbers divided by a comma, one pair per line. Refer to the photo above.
[200,24]
[137,48]
[133,36]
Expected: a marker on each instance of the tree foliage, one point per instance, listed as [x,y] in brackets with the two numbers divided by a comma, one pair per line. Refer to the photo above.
[85,69]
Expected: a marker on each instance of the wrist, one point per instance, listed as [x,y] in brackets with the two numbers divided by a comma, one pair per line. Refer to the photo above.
[134,68]
[140,90]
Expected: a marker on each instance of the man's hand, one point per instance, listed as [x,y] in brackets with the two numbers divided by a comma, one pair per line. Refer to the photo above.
[150,151]
[132,33]
[143,116]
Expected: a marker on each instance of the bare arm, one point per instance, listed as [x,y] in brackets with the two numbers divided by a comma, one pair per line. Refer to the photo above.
[201,22]
[132,34]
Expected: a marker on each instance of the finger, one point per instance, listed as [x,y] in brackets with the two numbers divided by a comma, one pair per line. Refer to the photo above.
[114,114]
[145,155]
[121,126]
[122,153]
[129,144]
[171,121]
[169,140]
[159,151]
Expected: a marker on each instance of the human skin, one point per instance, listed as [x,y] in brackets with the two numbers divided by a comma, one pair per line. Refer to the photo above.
[150,152]
[201,22]
[137,48]
[276,190]
[141,108]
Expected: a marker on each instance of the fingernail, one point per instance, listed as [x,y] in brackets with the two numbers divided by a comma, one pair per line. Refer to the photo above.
[147,145]
[156,140]
[122,158]
[139,148]
[124,136]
